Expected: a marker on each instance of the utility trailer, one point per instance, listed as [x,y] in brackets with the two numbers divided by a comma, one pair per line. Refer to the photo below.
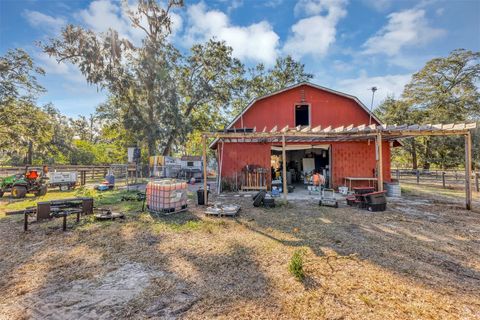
[64,180]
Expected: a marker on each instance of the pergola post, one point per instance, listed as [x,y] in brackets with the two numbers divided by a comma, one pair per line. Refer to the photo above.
[205,191]
[284,170]
[468,171]
[380,161]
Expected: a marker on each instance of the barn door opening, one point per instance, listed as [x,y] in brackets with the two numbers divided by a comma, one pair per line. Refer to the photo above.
[302,115]
[302,161]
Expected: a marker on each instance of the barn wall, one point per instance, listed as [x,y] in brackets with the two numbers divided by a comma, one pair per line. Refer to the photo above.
[326,109]
[355,159]
[237,155]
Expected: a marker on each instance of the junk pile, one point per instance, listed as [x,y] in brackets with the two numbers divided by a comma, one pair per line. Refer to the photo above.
[219,209]
[107,214]
[367,198]
[166,196]
[263,198]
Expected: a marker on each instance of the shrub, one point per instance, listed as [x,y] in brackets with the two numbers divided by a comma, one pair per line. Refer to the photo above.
[296,265]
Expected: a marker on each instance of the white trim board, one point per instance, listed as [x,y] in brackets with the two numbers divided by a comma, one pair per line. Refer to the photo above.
[302,147]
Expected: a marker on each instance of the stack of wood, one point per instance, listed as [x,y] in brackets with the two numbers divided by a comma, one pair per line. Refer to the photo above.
[254,178]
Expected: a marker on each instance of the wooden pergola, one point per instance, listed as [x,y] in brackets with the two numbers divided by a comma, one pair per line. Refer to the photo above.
[346,133]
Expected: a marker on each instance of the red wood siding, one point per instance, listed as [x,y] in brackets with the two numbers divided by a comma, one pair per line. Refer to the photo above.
[237,155]
[326,109]
[356,159]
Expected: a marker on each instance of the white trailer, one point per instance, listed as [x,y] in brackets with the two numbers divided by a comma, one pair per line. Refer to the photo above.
[64,180]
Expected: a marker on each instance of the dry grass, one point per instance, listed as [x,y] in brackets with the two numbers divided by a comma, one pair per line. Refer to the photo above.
[418,260]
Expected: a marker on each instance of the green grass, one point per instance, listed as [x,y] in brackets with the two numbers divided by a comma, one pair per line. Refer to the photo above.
[111,199]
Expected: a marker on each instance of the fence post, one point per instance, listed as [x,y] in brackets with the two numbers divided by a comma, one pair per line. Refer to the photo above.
[456,175]
[398,175]
[477,175]
[436,174]
[443,179]
[418,176]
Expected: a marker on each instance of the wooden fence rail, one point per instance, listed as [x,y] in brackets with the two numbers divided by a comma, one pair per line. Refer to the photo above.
[443,177]
[85,174]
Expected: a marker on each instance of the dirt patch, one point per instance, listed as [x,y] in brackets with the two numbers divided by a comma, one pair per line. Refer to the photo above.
[417,260]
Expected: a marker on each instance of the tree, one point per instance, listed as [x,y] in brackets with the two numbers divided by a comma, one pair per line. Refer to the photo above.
[140,78]
[393,111]
[207,80]
[443,91]
[446,91]
[18,76]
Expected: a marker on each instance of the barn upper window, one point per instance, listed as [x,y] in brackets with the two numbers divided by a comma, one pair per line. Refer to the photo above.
[302,115]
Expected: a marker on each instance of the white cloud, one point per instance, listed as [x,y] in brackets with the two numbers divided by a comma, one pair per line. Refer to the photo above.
[387,85]
[315,34]
[48,23]
[256,42]
[52,67]
[104,14]
[378,5]
[405,28]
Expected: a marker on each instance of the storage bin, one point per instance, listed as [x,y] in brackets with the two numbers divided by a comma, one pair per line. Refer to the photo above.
[166,196]
[375,198]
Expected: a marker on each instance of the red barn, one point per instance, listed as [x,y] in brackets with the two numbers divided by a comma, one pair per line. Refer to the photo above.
[304,104]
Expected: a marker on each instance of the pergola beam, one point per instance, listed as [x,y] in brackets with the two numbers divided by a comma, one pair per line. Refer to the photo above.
[468,171]
[284,169]
[378,145]
[205,191]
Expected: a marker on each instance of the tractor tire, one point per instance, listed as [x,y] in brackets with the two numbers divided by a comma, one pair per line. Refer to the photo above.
[19,192]
[64,188]
[42,191]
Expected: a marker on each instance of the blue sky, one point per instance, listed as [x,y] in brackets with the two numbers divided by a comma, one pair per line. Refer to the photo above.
[348,45]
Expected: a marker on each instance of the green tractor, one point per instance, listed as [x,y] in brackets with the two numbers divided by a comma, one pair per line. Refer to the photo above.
[20,184]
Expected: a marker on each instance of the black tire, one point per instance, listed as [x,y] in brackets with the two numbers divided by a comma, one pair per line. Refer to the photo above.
[256,195]
[43,191]
[64,187]
[19,192]
[259,199]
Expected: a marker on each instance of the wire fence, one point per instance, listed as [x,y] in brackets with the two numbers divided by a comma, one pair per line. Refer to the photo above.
[445,178]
